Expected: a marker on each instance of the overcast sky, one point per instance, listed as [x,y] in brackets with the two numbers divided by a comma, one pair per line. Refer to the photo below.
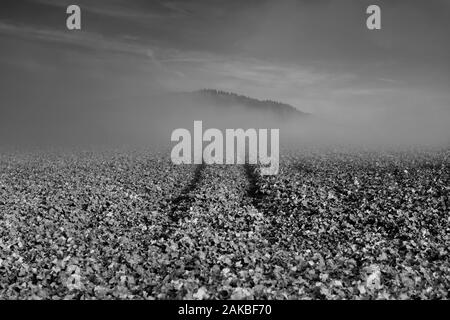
[317,55]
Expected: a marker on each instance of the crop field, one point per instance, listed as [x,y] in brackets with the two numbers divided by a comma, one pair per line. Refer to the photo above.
[333,224]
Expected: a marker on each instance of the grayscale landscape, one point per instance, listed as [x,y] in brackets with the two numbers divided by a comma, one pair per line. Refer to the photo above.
[92,205]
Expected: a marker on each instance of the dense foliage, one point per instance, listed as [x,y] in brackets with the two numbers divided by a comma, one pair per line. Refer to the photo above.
[333,224]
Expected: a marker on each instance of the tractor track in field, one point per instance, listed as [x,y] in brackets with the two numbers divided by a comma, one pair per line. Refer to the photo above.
[180,205]
[219,236]
[253,191]
[260,202]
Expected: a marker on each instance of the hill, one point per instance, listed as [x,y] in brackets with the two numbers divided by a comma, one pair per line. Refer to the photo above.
[228,99]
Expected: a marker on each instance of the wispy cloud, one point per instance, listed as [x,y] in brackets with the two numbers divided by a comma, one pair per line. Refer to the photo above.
[84,39]
[295,51]
[125,9]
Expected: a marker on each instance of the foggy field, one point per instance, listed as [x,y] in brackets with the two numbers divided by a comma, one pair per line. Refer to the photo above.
[343,223]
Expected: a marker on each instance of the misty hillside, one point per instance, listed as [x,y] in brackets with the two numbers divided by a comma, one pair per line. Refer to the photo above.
[218,109]
[227,99]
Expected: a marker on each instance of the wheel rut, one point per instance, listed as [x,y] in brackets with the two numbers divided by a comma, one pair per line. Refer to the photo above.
[180,205]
